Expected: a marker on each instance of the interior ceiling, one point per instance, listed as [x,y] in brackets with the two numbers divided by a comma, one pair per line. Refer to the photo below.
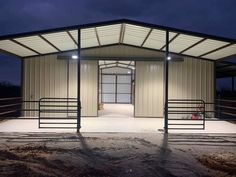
[111,64]
[126,32]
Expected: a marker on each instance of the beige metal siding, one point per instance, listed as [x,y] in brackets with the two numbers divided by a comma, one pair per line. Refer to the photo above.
[149,89]
[46,76]
[89,85]
[120,51]
[190,79]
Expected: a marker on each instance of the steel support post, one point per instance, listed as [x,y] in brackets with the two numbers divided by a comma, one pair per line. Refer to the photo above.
[78,85]
[166,84]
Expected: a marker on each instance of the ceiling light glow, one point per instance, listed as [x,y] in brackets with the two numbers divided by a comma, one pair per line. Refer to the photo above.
[74,56]
[169,58]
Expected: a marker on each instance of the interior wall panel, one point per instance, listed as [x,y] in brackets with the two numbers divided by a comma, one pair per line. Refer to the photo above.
[149,89]
[46,76]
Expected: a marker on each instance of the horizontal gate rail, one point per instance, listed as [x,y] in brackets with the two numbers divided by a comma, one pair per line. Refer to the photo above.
[224,109]
[186,114]
[58,113]
[13,107]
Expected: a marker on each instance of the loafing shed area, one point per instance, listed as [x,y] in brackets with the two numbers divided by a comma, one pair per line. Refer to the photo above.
[78,71]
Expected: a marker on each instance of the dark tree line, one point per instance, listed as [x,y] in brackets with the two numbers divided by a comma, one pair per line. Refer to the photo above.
[226,94]
[8,90]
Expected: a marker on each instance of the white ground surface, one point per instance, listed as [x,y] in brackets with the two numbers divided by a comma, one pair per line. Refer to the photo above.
[116,118]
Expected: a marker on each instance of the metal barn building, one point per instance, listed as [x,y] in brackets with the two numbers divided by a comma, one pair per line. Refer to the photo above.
[154,68]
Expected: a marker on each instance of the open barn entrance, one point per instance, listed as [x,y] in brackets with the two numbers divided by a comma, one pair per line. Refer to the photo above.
[116,88]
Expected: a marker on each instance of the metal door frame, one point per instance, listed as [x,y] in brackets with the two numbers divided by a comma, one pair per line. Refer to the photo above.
[116,84]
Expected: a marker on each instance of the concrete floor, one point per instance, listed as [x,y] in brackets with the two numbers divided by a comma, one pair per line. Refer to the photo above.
[117,111]
[115,118]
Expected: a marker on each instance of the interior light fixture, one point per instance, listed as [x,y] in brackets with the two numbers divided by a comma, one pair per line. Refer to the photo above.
[169,58]
[129,72]
[74,56]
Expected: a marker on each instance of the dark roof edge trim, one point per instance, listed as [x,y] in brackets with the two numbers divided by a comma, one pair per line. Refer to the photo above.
[133,22]
[4,52]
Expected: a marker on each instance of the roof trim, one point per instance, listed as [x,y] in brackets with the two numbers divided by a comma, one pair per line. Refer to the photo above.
[133,22]
[4,52]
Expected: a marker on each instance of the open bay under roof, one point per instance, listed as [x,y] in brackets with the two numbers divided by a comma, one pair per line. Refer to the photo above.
[125,32]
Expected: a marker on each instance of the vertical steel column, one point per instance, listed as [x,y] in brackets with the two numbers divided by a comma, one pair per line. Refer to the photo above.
[67,87]
[22,86]
[166,84]
[39,112]
[78,85]
[215,92]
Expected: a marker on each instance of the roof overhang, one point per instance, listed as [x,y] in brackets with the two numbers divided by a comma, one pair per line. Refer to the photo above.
[127,32]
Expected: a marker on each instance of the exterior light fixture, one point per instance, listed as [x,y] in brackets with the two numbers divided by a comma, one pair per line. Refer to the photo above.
[169,58]
[74,56]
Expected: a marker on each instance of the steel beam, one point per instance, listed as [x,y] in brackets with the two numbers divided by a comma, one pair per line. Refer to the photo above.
[215,50]
[166,84]
[51,44]
[78,85]
[192,45]
[97,36]
[122,33]
[162,48]
[71,37]
[146,37]
[24,46]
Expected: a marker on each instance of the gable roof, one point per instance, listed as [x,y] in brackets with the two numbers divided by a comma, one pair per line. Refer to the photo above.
[128,32]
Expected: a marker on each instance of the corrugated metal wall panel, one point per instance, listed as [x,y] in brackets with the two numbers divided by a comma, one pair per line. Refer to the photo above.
[89,86]
[190,79]
[46,76]
[148,89]
[197,79]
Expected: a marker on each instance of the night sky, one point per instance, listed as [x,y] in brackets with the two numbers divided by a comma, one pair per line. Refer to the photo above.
[216,17]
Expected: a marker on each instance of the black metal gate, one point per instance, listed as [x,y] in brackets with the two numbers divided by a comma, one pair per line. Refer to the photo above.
[186,114]
[58,113]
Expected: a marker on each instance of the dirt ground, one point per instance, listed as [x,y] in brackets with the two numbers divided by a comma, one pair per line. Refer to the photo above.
[117,154]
